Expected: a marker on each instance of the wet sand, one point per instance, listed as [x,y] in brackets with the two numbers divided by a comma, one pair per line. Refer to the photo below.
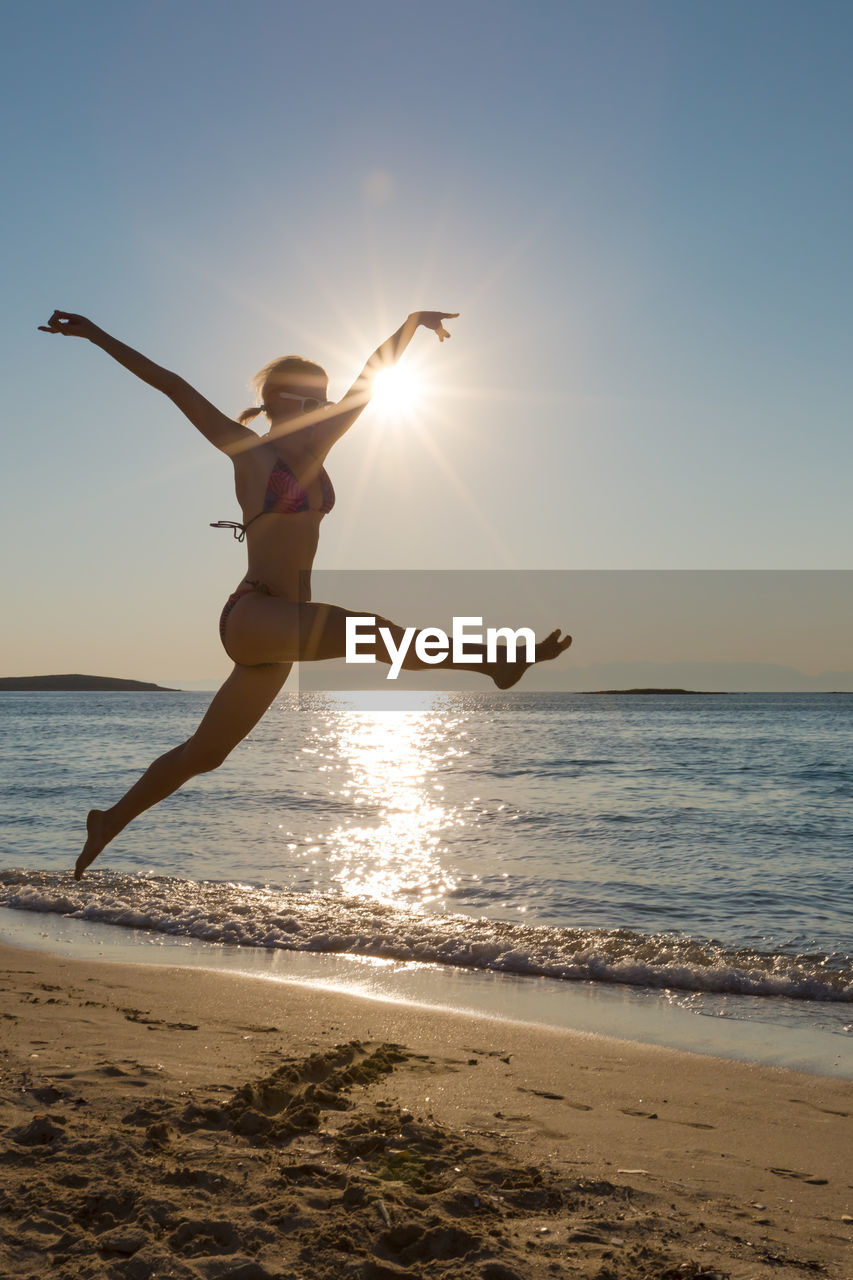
[162,1122]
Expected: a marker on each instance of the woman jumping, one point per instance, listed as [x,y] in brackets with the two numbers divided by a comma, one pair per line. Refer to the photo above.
[269,622]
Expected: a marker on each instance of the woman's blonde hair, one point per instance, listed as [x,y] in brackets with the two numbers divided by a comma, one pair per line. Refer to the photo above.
[293,366]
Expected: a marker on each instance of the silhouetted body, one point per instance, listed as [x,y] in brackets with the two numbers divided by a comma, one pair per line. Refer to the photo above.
[269,621]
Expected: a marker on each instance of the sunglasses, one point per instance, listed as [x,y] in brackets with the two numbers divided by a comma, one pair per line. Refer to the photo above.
[307,404]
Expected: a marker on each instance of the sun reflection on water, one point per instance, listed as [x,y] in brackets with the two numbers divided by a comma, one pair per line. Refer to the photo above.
[389,766]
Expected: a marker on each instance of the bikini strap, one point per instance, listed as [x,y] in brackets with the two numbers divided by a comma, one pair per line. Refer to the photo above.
[239,530]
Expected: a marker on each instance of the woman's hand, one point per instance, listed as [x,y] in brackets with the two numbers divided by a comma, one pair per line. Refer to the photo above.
[71,325]
[432,320]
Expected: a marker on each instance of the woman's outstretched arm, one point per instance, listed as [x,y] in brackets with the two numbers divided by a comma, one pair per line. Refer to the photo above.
[347,410]
[215,426]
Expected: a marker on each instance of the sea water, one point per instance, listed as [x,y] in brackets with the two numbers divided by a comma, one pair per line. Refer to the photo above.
[693,850]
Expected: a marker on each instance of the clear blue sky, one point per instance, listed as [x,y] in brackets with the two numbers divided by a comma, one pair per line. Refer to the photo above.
[642,211]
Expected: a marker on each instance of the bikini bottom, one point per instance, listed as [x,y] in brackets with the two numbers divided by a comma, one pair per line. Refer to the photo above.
[243,590]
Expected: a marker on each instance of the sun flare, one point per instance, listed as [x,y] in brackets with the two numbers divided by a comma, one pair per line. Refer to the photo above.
[398,393]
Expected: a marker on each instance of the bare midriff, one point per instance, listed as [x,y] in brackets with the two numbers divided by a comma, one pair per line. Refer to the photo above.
[281,553]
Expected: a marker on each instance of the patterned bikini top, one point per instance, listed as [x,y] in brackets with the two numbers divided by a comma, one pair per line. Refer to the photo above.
[285,496]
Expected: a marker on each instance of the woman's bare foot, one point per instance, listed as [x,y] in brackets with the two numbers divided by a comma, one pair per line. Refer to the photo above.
[98,837]
[506,674]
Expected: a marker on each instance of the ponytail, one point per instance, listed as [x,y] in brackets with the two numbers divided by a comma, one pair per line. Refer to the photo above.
[248,414]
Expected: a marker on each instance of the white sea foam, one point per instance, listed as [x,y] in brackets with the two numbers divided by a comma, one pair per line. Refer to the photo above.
[243,915]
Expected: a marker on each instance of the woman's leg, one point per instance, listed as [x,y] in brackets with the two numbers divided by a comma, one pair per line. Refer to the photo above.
[234,712]
[265,628]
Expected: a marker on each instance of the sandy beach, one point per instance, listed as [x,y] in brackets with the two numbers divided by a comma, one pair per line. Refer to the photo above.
[162,1122]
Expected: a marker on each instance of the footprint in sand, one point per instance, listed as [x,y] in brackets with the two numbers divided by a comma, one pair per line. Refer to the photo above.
[653,1115]
[136,1015]
[802,1177]
[827,1111]
[555,1097]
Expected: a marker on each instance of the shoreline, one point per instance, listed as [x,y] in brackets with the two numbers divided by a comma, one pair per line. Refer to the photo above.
[635,1014]
[506,1145]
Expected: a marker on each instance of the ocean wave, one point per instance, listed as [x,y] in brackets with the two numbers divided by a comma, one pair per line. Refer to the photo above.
[247,915]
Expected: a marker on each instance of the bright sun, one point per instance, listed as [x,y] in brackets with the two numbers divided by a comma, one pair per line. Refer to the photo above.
[398,393]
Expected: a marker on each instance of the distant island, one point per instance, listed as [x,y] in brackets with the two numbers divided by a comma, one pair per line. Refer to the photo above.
[705,693]
[78,684]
